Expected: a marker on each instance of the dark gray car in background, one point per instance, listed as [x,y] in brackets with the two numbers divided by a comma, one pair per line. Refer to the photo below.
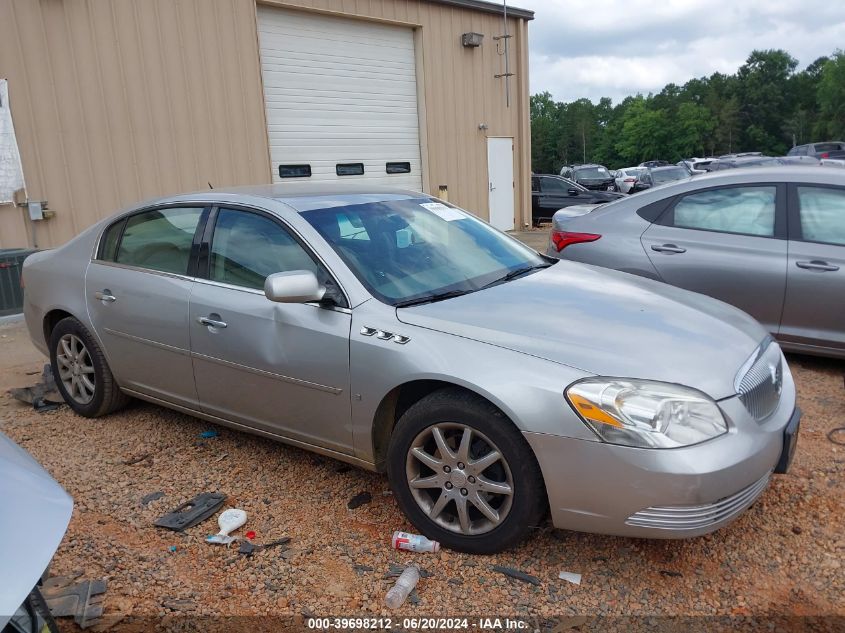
[770,241]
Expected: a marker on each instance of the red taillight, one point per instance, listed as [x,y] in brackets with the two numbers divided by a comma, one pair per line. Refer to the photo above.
[825,155]
[562,239]
[630,180]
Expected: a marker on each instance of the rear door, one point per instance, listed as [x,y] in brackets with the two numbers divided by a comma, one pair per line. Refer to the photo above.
[728,243]
[814,311]
[138,289]
[280,368]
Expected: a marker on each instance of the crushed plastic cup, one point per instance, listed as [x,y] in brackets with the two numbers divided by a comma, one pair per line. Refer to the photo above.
[404,586]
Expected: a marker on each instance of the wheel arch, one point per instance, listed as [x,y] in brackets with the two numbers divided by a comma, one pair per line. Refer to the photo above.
[51,320]
[401,398]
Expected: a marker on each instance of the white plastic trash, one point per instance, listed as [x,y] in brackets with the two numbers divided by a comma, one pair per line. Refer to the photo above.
[575,579]
[404,586]
[229,521]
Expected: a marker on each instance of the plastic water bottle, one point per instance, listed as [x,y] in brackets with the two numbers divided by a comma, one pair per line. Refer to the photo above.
[414,543]
[404,585]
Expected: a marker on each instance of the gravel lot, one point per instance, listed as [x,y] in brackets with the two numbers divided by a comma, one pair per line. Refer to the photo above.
[783,557]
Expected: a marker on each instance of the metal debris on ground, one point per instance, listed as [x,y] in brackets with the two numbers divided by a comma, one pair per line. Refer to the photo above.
[670,573]
[394,571]
[136,460]
[153,496]
[516,574]
[191,512]
[43,396]
[569,576]
[359,500]
[362,569]
[832,435]
[82,600]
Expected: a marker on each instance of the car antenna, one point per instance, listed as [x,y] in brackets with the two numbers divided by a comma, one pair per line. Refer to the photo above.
[209,185]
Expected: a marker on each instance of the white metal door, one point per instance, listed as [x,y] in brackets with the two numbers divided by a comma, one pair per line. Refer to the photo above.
[340,91]
[500,176]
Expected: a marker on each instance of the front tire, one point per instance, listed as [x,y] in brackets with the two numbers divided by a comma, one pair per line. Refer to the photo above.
[463,474]
[82,374]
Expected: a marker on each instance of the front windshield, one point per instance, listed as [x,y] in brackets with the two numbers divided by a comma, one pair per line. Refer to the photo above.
[668,175]
[592,172]
[403,250]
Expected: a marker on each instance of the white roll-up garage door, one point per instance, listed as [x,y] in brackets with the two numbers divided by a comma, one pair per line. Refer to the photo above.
[340,94]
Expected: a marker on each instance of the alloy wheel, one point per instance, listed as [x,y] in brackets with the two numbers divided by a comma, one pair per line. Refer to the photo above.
[76,369]
[459,478]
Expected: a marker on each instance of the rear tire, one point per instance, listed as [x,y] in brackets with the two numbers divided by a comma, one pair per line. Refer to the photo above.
[82,375]
[464,475]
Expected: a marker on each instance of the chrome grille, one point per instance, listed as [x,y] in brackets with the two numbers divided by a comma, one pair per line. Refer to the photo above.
[701,516]
[760,380]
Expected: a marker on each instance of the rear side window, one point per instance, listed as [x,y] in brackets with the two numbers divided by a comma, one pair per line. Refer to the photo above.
[743,210]
[800,150]
[109,241]
[159,239]
[822,214]
[247,247]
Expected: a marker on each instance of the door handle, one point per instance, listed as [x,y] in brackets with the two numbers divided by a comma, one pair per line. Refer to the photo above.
[492,188]
[208,321]
[817,265]
[105,296]
[668,248]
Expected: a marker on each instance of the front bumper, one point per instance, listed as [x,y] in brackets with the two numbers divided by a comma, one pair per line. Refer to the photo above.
[669,493]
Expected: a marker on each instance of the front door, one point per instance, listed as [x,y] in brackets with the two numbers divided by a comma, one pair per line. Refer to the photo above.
[137,290]
[814,311]
[500,175]
[726,242]
[281,368]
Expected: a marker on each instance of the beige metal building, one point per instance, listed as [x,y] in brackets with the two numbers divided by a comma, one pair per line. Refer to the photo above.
[116,101]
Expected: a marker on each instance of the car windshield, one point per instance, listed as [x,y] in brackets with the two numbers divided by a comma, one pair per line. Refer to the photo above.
[592,172]
[668,175]
[416,250]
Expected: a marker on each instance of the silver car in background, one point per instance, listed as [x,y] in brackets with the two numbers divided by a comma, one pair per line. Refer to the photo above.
[393,331]
[770,241]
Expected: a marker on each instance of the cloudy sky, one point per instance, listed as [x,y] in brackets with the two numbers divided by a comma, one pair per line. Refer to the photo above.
[614,48]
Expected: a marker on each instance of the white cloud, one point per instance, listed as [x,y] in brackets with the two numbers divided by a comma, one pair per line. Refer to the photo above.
[616,48]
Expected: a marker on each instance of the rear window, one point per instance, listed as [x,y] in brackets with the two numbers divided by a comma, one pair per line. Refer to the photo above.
[828,147]
[592,172]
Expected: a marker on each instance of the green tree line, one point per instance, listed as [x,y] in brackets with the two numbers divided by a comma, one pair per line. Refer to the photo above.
[765,106]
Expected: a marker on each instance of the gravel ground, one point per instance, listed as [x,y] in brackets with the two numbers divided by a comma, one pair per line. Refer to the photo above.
[782,557]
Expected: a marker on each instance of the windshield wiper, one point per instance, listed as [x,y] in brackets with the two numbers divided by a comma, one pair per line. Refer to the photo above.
[439,296]
[518,272]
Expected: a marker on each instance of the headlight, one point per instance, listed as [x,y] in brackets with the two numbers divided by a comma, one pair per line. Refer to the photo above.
[645,413]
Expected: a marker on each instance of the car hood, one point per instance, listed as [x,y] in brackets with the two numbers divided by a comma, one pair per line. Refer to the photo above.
[35,514]
[606,323]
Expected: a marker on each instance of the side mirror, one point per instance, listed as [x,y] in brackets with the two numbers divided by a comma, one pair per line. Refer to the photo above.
[296,286]
[573,192]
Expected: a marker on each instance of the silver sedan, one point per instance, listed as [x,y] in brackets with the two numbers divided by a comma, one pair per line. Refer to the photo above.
[402,334]
[770,241]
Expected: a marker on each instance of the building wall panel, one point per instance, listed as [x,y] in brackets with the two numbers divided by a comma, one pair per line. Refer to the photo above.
[115,101]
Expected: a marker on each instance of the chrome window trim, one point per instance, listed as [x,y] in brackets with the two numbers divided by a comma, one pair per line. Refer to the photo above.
[162,273]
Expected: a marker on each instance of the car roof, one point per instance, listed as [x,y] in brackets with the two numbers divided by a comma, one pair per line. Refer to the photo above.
[301,196]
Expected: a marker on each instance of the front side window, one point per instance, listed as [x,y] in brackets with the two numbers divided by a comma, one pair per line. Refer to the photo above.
[554,185]
[822,214]
[416,248]
[744,210]
[159,239]
[247,247]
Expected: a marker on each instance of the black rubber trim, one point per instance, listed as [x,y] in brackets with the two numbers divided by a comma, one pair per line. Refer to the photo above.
[790,440]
